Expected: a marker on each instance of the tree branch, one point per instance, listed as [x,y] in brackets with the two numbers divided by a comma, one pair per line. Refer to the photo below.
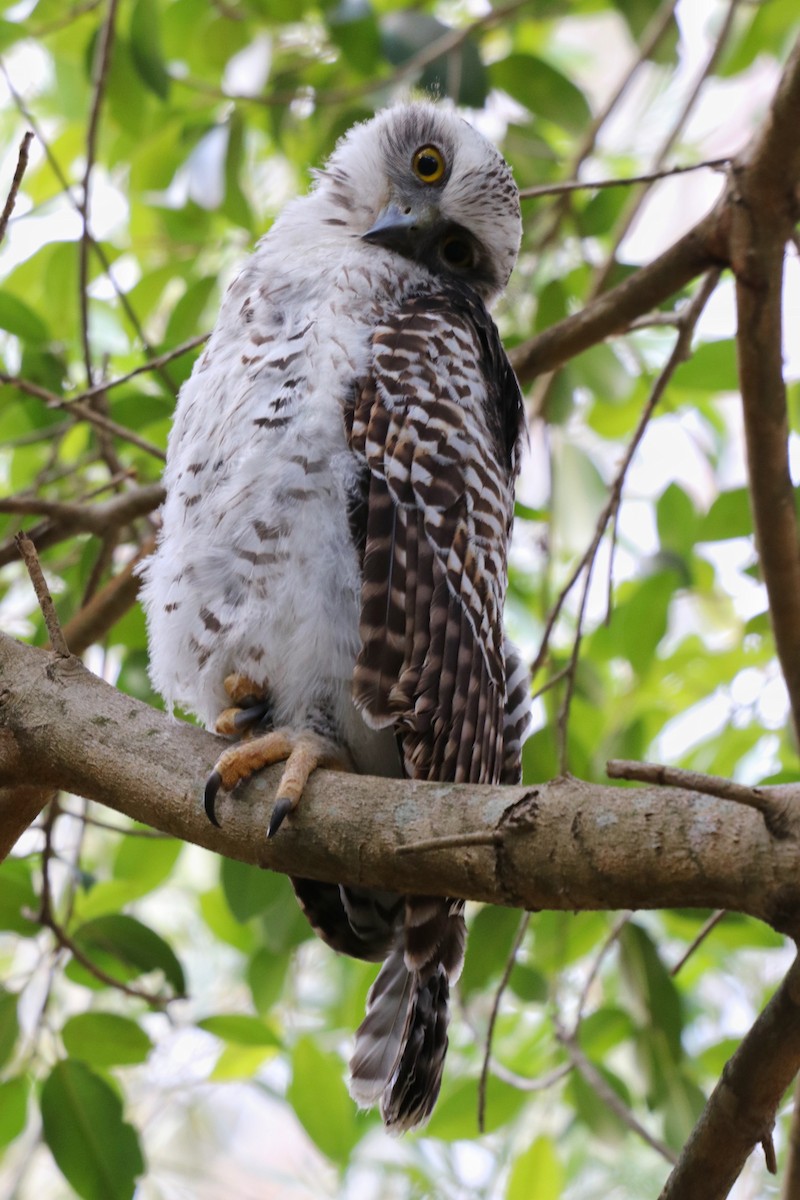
[764,208]
[771,166]
[564,845]
[741,1110]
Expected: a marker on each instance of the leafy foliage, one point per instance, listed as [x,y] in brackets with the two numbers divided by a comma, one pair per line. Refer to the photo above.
[209,116]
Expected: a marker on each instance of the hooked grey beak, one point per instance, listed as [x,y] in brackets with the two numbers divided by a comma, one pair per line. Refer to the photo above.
[397,228]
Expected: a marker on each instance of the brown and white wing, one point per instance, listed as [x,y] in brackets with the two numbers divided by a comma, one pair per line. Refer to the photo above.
[437,425]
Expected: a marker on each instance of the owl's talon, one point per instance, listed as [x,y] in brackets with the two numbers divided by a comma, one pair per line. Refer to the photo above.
[283,807]
[252,715]
[301,750]
[213,784]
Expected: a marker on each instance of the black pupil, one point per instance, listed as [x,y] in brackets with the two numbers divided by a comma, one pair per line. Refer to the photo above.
[427,165]
[456,251]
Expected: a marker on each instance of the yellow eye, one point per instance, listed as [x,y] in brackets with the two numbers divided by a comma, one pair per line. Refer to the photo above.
[428,164]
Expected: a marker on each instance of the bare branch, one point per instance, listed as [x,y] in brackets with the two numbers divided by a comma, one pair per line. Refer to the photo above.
[765,801]
[31,559]
[106,607]
[11,199]
[579,185]
[90,518]
[740,1112]
[102,62]
[154,364]
[709,925]
[687,322]
[764,209]
[519,937]
[603,1089]
[78,409]
[564,845]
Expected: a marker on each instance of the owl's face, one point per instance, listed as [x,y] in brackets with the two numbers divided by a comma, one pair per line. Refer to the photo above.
[419,181]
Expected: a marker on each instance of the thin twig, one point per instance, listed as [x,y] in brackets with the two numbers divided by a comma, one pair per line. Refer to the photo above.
[483,1082]
[637,199]
[154,364]
[613,936]
[540,1084]
[578,185]
[92,622]
[31,559]
[99,252]
[22,165]
[712,922]
[479,838]
[78,408]
[655,31]
[102,62]
[97,823]
[688,320]
[585,1067]
[770,804]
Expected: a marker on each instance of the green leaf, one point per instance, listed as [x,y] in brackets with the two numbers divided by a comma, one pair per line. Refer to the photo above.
[146,47]
[654,994]
[185,316]
[219,919]
[148,861]
[729,517]
[18,900]
[491,935]
[354,29]
[266,973]
[677,520]
[529,984]
[455,1117]
[131,945]
[248,890]
[105,1039]
[13,1108]
[95,1148]
[543,90]
[536,1173]
[404,34]
[9,1025]
[18,318]
[604,1029]
[711,368]
[321,1101]
[240,1062]
[240,1028]
[235,204]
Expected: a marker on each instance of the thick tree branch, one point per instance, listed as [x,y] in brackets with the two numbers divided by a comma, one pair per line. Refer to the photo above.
[563,845]
[765,207]
[741,1110]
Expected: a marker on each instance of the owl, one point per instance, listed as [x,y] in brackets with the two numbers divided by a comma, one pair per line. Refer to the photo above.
[330,576]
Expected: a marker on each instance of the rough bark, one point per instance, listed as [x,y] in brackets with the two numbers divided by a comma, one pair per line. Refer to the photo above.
[559,845]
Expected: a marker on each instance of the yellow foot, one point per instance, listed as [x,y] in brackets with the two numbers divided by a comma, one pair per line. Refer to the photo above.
[302,751]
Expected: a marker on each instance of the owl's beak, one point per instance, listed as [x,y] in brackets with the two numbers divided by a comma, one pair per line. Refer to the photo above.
[399,228]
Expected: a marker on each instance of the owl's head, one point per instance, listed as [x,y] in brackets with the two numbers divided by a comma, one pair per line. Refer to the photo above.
[421,182]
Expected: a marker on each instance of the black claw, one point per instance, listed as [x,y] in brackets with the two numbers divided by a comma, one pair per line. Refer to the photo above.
[213,784]
[252,715]
[282,807]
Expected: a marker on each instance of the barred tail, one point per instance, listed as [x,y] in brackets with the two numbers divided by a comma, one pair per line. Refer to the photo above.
[401,1044]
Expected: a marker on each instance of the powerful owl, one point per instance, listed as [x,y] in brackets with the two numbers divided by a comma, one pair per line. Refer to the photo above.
[329,582]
